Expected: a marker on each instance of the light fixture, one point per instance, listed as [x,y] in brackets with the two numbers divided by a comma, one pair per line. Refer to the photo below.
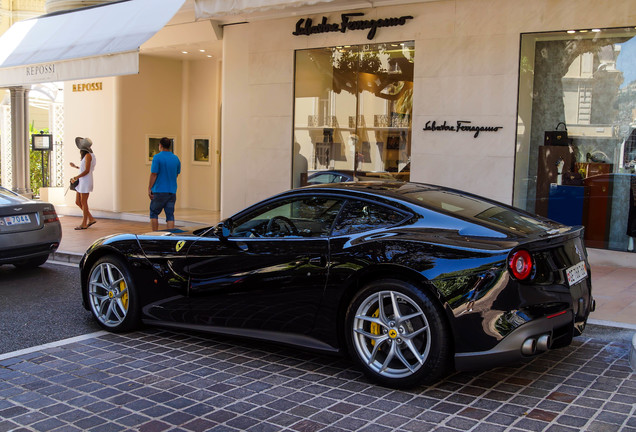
[201,50]
[596,30]
[582,31]
[209,56]
[184,52]
[571,31]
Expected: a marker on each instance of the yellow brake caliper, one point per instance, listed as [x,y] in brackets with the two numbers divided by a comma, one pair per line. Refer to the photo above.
[375,328]
[124,297]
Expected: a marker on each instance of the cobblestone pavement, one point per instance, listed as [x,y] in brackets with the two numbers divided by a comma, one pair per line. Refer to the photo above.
[156,380]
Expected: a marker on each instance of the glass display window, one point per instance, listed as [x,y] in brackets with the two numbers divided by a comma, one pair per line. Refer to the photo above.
[576,137]
[353,111]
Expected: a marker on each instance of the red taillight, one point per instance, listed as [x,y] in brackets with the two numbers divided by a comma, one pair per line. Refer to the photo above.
[50,216]
[520,264]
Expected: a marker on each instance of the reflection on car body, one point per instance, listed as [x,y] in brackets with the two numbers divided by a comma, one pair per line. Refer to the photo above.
[340,176]
[410,280]
[29,230]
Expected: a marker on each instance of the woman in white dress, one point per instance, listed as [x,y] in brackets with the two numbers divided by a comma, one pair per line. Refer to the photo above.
[85,186]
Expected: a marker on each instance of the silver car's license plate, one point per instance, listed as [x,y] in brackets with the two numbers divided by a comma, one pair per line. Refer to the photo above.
[576,273]
[17,220]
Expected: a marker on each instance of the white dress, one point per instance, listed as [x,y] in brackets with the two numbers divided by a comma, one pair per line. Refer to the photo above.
[86,182]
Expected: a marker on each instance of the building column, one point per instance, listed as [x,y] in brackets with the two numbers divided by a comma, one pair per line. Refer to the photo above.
[21,173]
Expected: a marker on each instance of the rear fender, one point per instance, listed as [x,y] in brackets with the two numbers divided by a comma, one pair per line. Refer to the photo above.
[384,271]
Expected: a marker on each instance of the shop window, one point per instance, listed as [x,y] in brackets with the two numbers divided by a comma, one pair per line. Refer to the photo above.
[353,111]
[576,136]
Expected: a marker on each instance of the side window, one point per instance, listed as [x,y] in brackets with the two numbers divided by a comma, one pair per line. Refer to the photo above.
[298,217]
[360,216]
[321,178]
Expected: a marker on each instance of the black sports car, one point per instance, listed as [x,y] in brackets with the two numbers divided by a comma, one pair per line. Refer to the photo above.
[411,280]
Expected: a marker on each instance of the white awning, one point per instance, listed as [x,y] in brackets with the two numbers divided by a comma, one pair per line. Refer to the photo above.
[83,43]
[218,8]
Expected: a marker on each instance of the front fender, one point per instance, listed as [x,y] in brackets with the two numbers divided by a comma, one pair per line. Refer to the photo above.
[124,246]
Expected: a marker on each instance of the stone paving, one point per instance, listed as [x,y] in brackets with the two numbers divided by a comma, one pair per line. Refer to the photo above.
[157,380]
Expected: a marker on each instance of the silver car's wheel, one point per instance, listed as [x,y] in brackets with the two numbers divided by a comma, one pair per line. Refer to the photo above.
[391,334]
[397,334]
[110,294]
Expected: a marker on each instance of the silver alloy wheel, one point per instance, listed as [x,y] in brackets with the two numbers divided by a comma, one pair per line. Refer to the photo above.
[108,294]
[391,334]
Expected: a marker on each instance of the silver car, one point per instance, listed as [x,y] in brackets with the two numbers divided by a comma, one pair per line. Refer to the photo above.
[29,230]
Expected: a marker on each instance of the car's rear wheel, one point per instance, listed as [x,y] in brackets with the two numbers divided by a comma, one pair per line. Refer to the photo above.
[112,296]
[397,334]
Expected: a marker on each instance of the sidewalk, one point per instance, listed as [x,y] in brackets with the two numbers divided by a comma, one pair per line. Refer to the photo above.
[75,242]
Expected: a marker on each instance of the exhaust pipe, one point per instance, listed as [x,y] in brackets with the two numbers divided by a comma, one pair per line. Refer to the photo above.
[529,346]
[533,345]
[543,343]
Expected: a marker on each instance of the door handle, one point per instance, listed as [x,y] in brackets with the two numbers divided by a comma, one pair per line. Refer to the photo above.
[318,261]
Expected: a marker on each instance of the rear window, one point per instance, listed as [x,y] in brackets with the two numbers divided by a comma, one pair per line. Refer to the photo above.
[9,198]
[478,210]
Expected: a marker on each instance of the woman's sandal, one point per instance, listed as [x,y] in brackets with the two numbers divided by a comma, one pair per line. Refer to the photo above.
[80,227]
[91,223]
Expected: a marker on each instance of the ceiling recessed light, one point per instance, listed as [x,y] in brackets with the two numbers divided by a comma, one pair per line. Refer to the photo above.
[571,31]
[184,52]
[596,30]
[209,56]
[201,50]
[583,31]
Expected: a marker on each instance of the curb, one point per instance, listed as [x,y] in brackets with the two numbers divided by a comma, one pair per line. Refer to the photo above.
[65,257]
[632,354]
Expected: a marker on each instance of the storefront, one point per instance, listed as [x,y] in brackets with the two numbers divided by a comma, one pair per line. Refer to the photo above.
[458,93]
[130,72]
[576,142]
[462,93]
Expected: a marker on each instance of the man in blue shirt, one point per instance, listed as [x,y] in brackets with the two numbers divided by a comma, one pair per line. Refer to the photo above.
[162,187]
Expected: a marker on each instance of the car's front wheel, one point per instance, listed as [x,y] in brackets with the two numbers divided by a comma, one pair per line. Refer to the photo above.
[397,334]
[112,296]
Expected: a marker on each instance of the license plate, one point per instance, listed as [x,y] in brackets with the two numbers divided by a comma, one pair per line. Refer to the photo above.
[576,273]
[17,220]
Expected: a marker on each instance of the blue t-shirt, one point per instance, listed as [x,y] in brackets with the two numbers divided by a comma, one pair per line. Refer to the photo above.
[167,166]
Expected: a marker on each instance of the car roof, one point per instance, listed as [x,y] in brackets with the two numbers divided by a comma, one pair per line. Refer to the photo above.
[360,173]
[392,189]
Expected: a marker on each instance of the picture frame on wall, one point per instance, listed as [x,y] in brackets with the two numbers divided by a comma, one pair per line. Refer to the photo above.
[152,146]
[393,142]
[201,150]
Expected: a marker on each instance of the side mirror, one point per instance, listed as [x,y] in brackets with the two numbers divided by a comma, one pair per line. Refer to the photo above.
[222,229]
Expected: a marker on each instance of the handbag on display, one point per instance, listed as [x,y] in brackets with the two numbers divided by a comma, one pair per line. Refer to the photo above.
[572,178]
[557,137]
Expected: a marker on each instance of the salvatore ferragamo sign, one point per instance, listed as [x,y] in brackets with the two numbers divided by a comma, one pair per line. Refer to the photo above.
[306,27]
[459,126]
